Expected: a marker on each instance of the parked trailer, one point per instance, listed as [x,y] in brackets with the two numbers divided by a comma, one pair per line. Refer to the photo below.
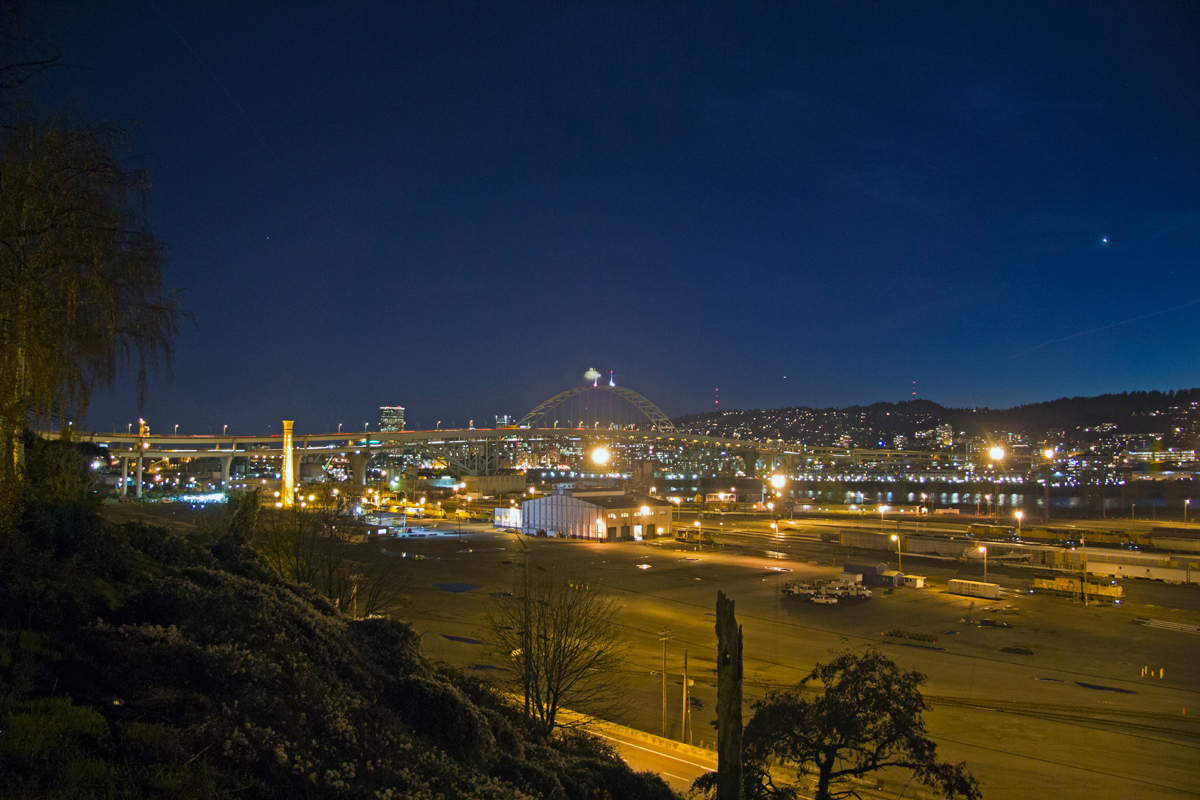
[975,588]
[1072,586]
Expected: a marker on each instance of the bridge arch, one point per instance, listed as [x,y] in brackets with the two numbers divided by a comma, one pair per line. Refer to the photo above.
[658,420]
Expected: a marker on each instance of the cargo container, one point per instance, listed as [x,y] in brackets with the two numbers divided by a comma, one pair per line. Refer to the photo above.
[975,588]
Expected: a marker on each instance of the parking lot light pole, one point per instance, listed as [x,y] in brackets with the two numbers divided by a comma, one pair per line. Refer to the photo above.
[983,550]
[899,558]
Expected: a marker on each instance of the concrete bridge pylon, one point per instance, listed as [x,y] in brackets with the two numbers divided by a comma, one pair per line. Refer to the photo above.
[358,465]
[287,490]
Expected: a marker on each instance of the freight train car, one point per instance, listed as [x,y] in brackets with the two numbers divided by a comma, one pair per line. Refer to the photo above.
[994,532]
[975,588]
[1073,586]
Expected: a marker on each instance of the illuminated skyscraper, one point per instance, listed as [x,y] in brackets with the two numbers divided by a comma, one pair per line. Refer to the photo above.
[391,418]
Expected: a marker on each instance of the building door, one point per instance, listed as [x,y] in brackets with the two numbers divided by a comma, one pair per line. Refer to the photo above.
[612,534]
[625,532]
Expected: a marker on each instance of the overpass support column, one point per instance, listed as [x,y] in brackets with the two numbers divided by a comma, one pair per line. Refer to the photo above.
[124,477]
[287,491]
[750,463]
[225,462]
[138,492]
[358,466]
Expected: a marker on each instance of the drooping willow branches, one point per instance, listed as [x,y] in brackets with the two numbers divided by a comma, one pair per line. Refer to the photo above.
[81,285]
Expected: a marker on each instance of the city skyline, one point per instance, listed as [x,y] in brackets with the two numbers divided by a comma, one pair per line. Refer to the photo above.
[461,212]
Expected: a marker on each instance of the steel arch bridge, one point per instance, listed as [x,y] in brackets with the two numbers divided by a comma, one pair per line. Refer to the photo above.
[658,420]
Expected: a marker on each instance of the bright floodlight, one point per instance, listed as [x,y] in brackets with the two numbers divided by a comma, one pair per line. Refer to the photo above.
[645,510]
[1019,514]
[996,453]
[1050,453]
[778,481]
[600,455]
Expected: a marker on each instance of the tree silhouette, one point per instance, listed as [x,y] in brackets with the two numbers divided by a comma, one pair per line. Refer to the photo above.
[867,718]
[561,644]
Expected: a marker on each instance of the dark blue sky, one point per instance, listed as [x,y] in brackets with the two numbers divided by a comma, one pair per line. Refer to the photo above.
[461,208]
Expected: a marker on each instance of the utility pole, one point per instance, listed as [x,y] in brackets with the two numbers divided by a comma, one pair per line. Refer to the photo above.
[683,730]
[729,701]
[664,638]
[1083,567]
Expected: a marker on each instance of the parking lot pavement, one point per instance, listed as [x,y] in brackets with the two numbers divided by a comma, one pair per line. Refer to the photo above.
[1058,702]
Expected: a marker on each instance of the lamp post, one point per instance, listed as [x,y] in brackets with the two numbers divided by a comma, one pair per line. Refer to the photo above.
[1019,515]
[899,558]
[1049,454]
[1186,503]
[997,455]
[983,550]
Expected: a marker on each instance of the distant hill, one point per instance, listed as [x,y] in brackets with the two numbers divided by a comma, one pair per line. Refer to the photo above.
[1174,414]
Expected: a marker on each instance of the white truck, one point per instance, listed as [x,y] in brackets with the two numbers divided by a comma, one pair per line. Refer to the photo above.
[799,589]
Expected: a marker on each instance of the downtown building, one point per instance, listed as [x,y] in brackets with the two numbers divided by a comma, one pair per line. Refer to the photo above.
[391,418]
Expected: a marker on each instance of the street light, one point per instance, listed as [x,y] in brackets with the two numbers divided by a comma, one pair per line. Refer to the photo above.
[1186,503]
[600,456]
[1049,453]
[899,558]
[983,550]
[1019,515]
[176,429]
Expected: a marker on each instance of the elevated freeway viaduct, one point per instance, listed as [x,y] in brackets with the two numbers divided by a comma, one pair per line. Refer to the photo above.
[472,451]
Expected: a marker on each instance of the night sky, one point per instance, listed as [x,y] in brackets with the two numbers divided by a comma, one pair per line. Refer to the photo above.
[460,208]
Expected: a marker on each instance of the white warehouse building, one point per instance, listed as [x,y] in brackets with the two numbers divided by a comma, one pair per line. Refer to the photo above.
[599,516]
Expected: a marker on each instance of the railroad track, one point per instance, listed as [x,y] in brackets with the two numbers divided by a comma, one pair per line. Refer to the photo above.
[1176,725]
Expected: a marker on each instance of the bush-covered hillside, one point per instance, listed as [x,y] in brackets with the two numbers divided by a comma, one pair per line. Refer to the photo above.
[136,662]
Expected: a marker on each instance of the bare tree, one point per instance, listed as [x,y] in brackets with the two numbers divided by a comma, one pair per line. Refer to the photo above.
[561,644]
[313,542]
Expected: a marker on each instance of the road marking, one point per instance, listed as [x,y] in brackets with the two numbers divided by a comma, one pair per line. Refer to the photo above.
[656,752]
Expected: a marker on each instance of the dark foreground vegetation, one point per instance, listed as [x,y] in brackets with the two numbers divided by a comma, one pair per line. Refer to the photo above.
[139,662]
